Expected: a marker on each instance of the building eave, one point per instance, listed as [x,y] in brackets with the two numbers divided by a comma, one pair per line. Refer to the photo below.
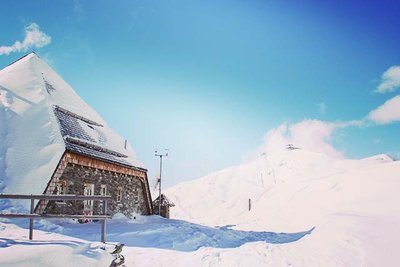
[108,161]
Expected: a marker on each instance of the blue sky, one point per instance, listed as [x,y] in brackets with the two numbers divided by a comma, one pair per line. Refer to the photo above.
[209,79]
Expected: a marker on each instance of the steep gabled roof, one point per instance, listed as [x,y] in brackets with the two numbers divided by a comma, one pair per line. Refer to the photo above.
[41,116]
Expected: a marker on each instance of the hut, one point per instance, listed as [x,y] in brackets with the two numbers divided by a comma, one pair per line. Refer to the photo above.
[55,143]
[164,207]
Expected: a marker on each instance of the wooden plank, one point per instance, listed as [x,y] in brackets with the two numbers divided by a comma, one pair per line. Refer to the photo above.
[103,164]
[53,216]
[54,197]
[33,216]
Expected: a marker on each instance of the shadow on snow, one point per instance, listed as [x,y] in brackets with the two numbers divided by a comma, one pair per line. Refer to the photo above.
[178,235]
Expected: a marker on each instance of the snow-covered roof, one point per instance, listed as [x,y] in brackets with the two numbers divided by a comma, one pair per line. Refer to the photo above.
[164,201]
[41,117]
[89,138]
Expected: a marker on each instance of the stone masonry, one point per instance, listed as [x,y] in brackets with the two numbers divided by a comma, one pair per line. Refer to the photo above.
[74,171]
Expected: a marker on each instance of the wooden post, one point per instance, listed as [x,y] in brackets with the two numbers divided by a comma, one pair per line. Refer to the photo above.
[103,223]
[31,220]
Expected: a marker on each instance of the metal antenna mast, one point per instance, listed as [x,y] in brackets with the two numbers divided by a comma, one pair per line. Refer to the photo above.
[159,180]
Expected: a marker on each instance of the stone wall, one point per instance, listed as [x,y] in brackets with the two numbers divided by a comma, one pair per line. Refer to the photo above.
[164,211]
[133,199]
[74,171]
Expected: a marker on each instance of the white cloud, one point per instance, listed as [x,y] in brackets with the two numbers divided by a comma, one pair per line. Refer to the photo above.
[386,113]
[390,80]
[322,108]
[34,37]
[314,135]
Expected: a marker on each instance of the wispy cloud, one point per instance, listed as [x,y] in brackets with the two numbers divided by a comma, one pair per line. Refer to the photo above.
[78,11]
[386,113]
[34,38]
[390,80]
[322,108]
[376,140]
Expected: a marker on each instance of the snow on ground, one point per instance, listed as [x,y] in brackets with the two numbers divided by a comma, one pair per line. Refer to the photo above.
[48,249]
[332,212]
[156,232]
[147,240]
[156,241]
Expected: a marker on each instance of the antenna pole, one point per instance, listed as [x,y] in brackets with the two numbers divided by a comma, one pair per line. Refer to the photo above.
[159,188]
[159,180]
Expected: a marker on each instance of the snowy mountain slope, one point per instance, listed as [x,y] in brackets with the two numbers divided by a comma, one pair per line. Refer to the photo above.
[271,181]
[32,144]
[352,203]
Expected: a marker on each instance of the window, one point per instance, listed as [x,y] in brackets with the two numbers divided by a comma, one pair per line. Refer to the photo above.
[119,194]
[88,191]
[103,190]
[61,189]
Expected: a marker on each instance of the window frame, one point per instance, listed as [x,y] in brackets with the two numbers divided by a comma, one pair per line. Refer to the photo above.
[119,194]
[103,190]
[61,189]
